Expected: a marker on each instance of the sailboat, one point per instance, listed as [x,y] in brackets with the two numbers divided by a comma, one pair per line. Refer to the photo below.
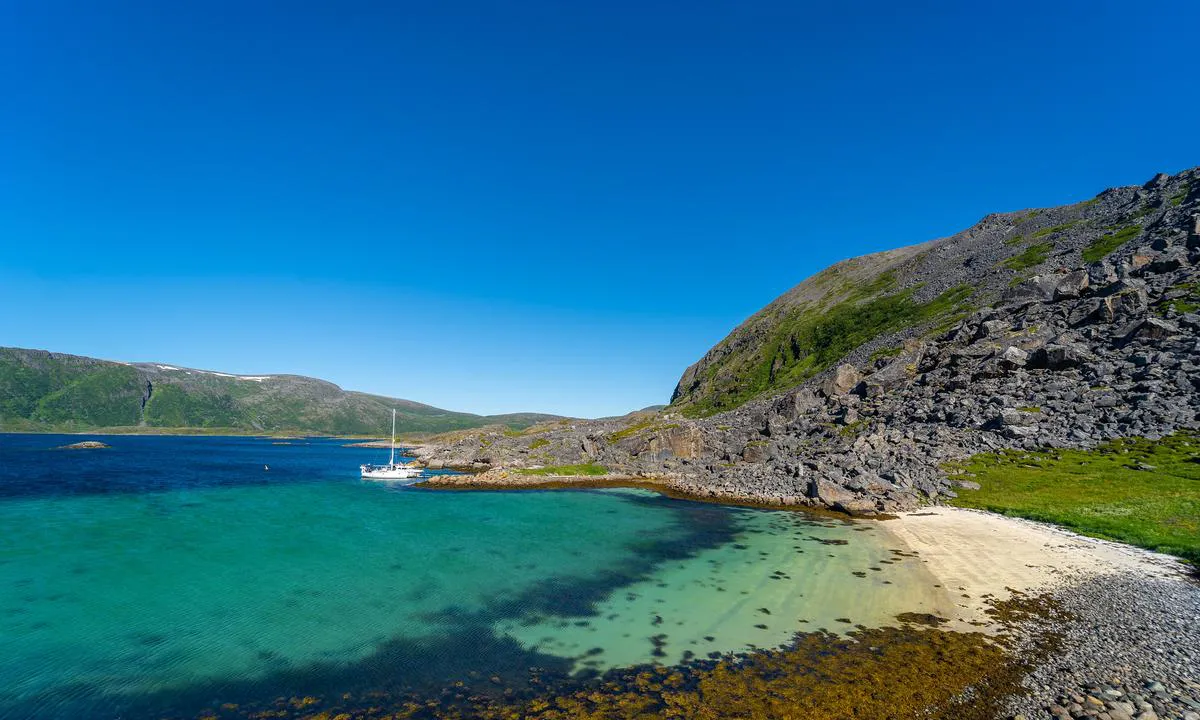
[393,470]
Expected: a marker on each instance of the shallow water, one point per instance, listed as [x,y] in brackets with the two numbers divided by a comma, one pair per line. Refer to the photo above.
[166,573]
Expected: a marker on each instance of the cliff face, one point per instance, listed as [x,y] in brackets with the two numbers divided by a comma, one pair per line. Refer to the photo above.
[1059,327]
[40,390]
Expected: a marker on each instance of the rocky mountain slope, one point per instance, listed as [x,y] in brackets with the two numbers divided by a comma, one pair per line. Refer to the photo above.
[40,390]
[1057,327]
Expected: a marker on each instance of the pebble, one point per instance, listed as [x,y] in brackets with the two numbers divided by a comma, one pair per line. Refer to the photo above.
[1129,651]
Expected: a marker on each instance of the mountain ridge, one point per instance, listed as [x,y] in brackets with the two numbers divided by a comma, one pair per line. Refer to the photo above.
[41,390]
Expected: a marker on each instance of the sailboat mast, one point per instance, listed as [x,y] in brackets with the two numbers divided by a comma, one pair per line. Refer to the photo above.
[392,460]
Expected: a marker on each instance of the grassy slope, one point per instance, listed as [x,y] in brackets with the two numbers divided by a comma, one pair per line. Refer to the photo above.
[574,470]
[806,341]
[1137,491]
[40,392]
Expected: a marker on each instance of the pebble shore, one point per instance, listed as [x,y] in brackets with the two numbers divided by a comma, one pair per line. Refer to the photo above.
[1130,650]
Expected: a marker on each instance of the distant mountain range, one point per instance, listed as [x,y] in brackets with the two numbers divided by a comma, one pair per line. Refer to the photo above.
[45,391]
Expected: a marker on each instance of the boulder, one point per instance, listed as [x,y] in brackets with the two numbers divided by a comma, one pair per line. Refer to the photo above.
[1014,357]
[1035,289]
[1150,328]
[1059,357]
[992,329]
[1072,285]
[1141,258]
[1123,300]
[1172,259]
[894,374]
[754,452]
[856,506]
[1091,311]
[828,492]
[1101,273]
[794,404]
[842,380]
[1009,417]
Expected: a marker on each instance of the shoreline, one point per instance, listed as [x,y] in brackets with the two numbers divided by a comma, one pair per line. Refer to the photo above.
[1113,629]
[498,479]
[979,556]
[979,553]
[1100,626]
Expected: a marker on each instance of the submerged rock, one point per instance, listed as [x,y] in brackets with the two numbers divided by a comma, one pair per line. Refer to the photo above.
[85,445]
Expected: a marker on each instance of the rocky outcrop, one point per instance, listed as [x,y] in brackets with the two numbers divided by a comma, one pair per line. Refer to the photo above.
[85,445]
[1084,351]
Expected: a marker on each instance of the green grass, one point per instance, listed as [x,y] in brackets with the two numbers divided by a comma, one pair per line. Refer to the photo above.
[886,352]
[1178,198]
[1137,491]
[1045,232]
[806,341]
[851,429]
[584,469]
[1032,256]
[1189,303]
[1102,246]
[104,395]
[538,443]
[172,406]
[631,430]
[1015,240]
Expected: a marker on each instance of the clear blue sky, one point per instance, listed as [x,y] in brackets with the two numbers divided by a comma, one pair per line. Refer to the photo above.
[554,206]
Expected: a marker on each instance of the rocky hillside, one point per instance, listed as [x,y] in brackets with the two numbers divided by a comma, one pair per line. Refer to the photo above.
[40,390]
[874,302]
[1055,327]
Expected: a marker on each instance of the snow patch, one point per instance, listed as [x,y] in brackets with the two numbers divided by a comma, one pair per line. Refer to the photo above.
[255,378]
[166,367]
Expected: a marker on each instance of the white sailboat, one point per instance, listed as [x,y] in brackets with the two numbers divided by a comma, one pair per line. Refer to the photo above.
[393,470]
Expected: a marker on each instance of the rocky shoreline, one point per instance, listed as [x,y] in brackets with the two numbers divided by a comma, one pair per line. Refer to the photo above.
[1129,649]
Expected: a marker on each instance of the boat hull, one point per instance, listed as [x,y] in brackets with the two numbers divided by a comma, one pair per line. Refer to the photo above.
[392,472]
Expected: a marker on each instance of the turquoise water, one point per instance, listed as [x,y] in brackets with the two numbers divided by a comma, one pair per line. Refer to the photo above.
[168,574]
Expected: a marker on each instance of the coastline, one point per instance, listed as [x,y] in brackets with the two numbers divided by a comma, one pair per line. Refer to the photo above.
[503,479]
[1100,626]
[980,556]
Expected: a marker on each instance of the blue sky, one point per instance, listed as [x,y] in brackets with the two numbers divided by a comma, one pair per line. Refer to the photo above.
[553,206]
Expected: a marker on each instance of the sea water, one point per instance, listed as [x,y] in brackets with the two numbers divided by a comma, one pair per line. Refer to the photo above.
[164,574]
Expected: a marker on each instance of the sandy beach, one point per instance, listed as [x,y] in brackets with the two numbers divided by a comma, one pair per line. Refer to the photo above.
[978,555]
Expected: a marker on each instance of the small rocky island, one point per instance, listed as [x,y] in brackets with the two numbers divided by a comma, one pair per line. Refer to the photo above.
[85,445]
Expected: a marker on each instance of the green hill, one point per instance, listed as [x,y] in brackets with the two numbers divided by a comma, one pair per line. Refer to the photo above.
[44,391]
